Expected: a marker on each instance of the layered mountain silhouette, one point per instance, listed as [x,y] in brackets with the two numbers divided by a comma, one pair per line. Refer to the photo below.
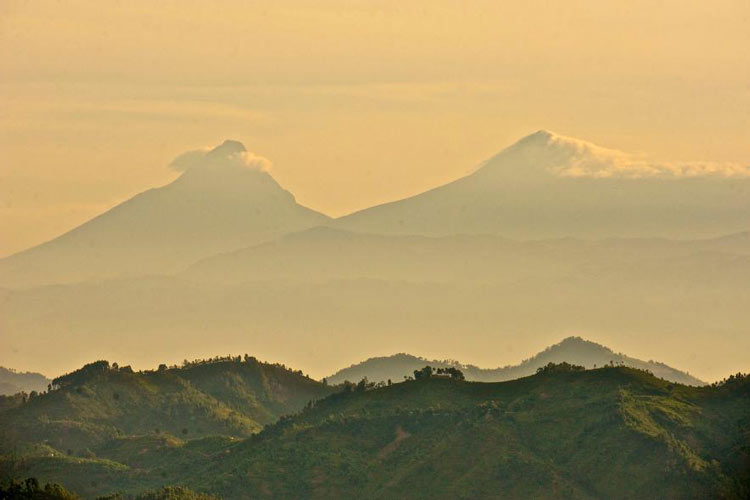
[548,186]
[343,295]
[543,186]
[573,350]
[12,381]
[229,255]
[220,202]
[325,254]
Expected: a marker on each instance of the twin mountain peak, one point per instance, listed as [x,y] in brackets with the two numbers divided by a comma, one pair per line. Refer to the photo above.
[543,186]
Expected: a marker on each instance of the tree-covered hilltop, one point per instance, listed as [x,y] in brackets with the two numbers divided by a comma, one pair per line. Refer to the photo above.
[565,432]
[90,407]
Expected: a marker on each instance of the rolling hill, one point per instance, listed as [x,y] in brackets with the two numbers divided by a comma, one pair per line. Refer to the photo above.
[222,201]
[101,402]
[548,186]
[574,350]
[606,433]
[612,432]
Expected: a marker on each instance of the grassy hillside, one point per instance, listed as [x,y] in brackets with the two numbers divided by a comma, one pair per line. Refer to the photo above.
[605,433]
[612,432]
[99,403]
[573,350]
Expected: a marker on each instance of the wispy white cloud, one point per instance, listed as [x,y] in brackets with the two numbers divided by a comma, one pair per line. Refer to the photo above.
[576,158]
[634,168]
[230,154]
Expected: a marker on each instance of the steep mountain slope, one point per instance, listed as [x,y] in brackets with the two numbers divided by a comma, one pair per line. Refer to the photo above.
[574,350]
[547,185]
[222,201]
[98,403]
[12,382]
[612,432]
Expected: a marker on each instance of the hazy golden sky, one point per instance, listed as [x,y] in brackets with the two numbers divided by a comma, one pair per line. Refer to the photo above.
[354,102]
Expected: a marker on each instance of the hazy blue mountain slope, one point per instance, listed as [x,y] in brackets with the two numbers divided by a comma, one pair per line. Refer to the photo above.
[574,350]
[645,303]
[12,381]
[216,205]
[326,254]
[547,185]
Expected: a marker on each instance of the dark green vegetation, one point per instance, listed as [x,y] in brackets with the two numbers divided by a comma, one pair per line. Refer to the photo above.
[104,420]
[572,349]
[565,432]
[13,382]
[30,489]
[607,433]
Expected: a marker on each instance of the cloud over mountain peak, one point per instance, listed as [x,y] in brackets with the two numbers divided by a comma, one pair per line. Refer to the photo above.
[229,154]
[574,158]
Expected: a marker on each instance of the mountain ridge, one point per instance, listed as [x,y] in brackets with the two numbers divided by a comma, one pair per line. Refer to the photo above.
[330,251]
[316,287]
[224,199]
[547,185]
[574,350]
[13,381]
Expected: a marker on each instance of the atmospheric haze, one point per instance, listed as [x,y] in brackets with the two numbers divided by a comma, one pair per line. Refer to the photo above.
[356,103]
[323,183]
[549,237]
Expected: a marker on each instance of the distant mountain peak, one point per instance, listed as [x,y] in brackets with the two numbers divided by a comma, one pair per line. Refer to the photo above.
[547,138]
[540,136]
[572,340]
[574,350]
[227,156]
[579,344]
[575,340]
[228,169]
[549,153]
[227,148]
[564,156]
[224,200]
[548,185]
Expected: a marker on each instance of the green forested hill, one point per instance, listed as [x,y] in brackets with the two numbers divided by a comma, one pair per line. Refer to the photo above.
[606,433]
[613,432]
[90,407]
